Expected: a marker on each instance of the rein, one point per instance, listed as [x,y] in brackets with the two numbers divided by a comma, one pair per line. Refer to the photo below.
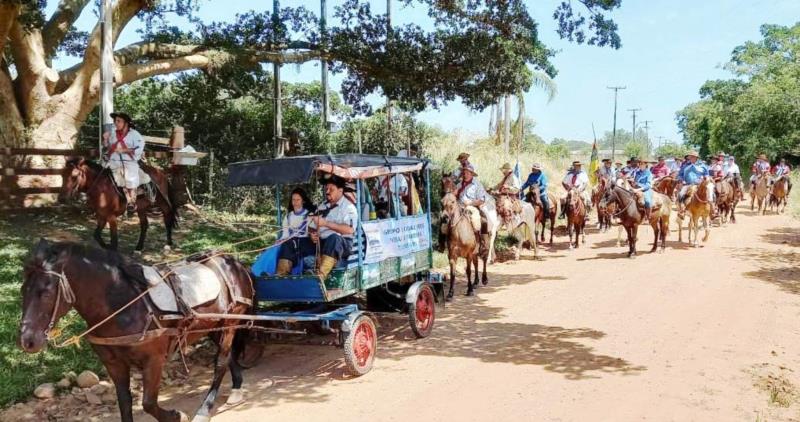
[630,202]
[64,290]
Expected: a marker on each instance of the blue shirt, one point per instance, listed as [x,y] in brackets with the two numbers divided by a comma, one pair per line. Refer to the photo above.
[692,173]
[643,179]
[680,170]
[536,179]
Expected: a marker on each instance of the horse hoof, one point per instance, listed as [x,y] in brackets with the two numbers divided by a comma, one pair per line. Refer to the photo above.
[236,397]
[485,281]
[449,297]
[470,293]
[200,418]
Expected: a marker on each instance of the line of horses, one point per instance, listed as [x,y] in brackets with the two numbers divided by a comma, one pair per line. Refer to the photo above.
[462,237]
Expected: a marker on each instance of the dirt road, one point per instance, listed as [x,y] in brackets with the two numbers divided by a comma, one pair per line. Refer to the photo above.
[693,334]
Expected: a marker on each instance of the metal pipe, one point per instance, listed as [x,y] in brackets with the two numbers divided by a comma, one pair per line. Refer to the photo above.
[106,72]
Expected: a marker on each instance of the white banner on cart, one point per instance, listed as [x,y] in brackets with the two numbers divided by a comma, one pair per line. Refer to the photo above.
[394,238]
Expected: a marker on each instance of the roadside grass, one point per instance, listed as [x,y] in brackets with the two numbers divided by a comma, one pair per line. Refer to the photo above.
[20,373]
[794,197]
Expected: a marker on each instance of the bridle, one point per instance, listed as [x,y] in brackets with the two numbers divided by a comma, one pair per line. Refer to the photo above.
[64,290]
[628,205]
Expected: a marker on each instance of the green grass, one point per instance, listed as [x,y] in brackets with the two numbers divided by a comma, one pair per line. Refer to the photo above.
[20,373]
[794,197]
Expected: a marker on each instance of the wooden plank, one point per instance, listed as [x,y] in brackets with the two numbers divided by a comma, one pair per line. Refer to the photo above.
[5,191]
[31,172]
[156,140]
[46,151]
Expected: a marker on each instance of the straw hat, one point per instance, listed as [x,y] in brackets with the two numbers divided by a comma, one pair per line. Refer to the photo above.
[462,156]
[693,154]
[763,157]
[536,166]
[506,167]
[470,168]
[576,163]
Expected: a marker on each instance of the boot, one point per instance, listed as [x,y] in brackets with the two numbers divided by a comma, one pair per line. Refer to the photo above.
[326,265]
[284,267]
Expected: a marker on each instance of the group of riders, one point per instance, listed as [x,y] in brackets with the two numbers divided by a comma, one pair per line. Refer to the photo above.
[638,175]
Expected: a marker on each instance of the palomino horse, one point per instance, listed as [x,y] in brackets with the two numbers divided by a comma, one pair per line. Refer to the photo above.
[459,233]
[727,199]
[576,217]
[108,203]
[631,216]
[667,186]
[760,193]
[489,209]
[598,192]
[533,197]
[699,207]
[521,225]
[97,283]
[779,195]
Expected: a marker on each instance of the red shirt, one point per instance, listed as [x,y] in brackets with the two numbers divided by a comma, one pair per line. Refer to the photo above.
[660,170]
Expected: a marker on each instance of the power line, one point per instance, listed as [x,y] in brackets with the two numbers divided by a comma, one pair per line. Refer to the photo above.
[614,132]
[647,135]
[633,132]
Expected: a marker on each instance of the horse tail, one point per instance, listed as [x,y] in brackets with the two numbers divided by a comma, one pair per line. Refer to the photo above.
[173,204]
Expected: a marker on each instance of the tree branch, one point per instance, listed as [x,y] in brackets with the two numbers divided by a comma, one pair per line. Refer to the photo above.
[60,23]
[8,14]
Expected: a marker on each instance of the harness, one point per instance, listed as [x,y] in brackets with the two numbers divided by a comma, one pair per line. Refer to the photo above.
[63,291]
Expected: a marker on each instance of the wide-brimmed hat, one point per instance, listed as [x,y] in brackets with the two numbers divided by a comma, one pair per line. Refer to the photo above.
[536,166]
[635,159]
[332,179]
[660,157]
[576,163]
[462,156]
[506,167]
[692,154]
[720,153]
[606,160]
[618,163]
[124,116]
[470,168]
[763,157]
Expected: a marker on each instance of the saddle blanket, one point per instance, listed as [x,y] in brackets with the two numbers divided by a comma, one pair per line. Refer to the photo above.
[196,283]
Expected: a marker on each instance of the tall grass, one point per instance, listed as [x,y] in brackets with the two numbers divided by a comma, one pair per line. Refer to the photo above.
[794,197]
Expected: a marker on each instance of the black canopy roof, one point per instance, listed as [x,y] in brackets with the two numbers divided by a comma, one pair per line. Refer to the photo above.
[294,170]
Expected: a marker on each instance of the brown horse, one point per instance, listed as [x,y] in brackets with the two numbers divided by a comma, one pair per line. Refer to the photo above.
[97,283]
[576,217]
[534,198]
[457,231]
[699,208]
[779,195]
[521,225]
[598,192]
[108,202]
[631,216]
[666,186]
[727,199]
[760,193]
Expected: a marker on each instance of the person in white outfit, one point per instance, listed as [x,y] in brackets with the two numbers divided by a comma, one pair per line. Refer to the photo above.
[577,179]
[124,149]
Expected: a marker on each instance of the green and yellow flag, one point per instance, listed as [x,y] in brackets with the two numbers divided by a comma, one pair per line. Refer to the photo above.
[594,164]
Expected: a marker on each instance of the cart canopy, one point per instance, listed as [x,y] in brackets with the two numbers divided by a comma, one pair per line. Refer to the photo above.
[296,170]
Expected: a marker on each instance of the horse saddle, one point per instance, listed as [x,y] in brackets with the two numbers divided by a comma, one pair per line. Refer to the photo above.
[119,177]
[191,283]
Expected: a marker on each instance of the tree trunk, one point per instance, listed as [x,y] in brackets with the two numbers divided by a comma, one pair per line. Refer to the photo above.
[507,124]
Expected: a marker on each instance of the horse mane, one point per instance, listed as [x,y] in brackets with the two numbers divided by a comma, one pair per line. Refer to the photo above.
[130,269]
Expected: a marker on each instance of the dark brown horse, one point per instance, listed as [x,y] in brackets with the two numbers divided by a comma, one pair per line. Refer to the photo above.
[667,185]
[576,217]
[96,283]
[603,216]
[534,197]
[108,202]
[459,233]
[727,198]
[631,216]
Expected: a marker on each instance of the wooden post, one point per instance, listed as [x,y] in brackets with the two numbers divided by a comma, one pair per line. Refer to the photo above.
[178,138]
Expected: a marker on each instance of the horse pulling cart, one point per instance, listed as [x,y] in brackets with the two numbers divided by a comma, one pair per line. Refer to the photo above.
[388,270]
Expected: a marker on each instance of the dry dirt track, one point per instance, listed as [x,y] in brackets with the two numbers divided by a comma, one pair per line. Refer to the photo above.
[693,334]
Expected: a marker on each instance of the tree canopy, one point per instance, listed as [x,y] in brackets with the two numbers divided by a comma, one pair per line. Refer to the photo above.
[758,110]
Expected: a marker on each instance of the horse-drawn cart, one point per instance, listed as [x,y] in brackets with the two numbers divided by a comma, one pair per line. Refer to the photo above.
[388,270]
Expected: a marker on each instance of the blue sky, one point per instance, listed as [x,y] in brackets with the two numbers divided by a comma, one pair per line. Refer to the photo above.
[669,48]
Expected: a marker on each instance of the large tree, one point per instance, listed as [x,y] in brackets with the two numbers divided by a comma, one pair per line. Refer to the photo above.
[475,50]
[758,111]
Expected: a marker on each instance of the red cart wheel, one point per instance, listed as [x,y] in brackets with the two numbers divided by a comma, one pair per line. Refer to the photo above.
[360,346]
[422,312]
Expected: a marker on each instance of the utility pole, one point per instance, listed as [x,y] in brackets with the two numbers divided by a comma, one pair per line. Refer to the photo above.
[276,89]
[106,73]
[389,105]
[660,139]
[647,135]
[633,133]
[614,132]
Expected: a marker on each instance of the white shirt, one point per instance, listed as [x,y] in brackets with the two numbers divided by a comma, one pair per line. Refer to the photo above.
[293,223]
[344,212]
[134,142]
[472,192]
[397,184]
[581,181]
[512,181]
[731,169]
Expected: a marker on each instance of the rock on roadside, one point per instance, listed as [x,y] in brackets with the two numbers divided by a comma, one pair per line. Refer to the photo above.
[45,391]
[87,379]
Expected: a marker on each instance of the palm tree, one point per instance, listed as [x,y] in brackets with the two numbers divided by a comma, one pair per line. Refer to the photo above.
[512,133]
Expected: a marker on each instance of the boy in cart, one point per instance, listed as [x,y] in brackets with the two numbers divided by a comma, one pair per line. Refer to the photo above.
[333,229]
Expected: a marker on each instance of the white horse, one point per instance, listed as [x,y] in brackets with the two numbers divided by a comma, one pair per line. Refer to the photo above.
[520,225]
[489,209]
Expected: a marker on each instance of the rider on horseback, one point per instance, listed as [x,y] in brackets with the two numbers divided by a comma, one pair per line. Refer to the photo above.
[463,161]
[642,183]
[782,170]
[661,169]
[732,171]
[607,170]
[538,178]
[472,194]
[694,173]
[510,187]
[123,153]
[761,166]
[576,179]
[716,170]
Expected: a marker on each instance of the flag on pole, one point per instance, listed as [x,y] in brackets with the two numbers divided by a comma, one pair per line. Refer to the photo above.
[594,164]
[516,169]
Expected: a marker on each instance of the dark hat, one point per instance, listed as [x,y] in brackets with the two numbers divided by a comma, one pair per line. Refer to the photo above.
[606,160]
[634,159]
[576,163]
[660,157]
[123,116]
[336,180]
